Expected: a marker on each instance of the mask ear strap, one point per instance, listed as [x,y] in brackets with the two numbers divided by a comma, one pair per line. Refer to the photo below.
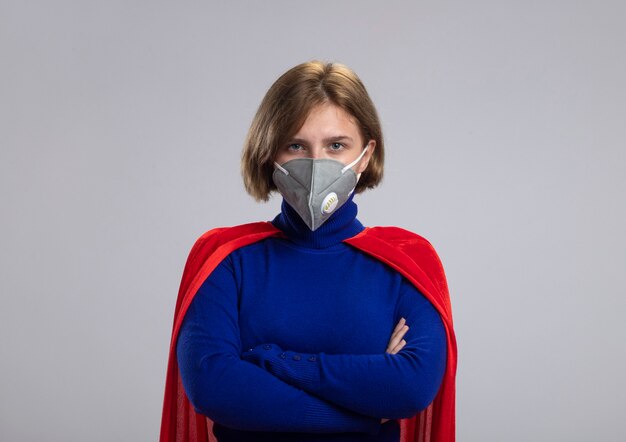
[281,168]
[349,166]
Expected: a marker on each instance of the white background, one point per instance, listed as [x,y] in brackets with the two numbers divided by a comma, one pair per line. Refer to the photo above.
[121,126]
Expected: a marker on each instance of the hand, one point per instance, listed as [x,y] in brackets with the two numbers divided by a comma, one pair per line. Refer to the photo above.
[396,342]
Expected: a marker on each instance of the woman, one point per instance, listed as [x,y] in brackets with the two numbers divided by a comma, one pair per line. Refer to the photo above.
[312,327]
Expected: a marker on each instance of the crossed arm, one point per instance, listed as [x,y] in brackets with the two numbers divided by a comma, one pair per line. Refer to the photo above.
[397,384]
[276,390]
[312,373]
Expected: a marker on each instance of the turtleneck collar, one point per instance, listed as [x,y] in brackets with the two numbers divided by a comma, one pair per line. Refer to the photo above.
[341,225]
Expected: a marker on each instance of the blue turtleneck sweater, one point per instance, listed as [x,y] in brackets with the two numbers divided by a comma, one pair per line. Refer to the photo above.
[285,340]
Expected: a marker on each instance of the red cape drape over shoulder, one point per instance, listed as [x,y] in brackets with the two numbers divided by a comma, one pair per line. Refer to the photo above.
[408,253]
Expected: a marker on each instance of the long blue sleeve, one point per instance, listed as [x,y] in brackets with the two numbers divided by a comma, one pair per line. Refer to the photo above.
[235,393]
[379,385]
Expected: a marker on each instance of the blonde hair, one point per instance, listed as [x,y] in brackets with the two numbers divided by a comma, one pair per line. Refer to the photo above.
[286,106]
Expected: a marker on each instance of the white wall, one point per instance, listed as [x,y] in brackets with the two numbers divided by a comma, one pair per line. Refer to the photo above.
[121,124]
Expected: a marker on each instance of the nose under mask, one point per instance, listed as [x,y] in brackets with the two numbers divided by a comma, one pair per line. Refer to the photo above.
[316,188]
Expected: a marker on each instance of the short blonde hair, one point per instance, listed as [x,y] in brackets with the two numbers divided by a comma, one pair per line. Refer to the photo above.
[286,106]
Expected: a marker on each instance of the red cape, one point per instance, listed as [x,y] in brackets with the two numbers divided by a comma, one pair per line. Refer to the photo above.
[406,252]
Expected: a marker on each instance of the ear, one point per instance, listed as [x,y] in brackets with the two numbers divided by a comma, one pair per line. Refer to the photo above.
[371,146]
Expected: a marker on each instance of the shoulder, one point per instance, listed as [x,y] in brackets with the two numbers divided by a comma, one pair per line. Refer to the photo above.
[396,234]
[393,243]
[221,241]
[216,237]
[402,239]
[231,232]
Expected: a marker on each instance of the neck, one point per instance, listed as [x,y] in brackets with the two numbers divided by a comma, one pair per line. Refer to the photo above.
[341,225]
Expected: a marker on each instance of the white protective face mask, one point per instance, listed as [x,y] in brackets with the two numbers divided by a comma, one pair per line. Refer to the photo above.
[315,188]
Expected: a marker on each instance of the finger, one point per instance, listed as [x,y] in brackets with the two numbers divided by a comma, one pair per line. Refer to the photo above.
[398,347]
[399,335]
[396,336]
[398,331]
[399,325]
[395,340]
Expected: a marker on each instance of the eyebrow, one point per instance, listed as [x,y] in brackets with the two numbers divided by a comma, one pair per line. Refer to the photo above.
[325,140]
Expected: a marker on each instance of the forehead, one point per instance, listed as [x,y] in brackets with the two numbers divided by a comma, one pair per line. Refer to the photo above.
[328,119]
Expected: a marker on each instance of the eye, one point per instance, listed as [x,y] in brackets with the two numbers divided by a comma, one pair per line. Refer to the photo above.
[336,146]
[295,147]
